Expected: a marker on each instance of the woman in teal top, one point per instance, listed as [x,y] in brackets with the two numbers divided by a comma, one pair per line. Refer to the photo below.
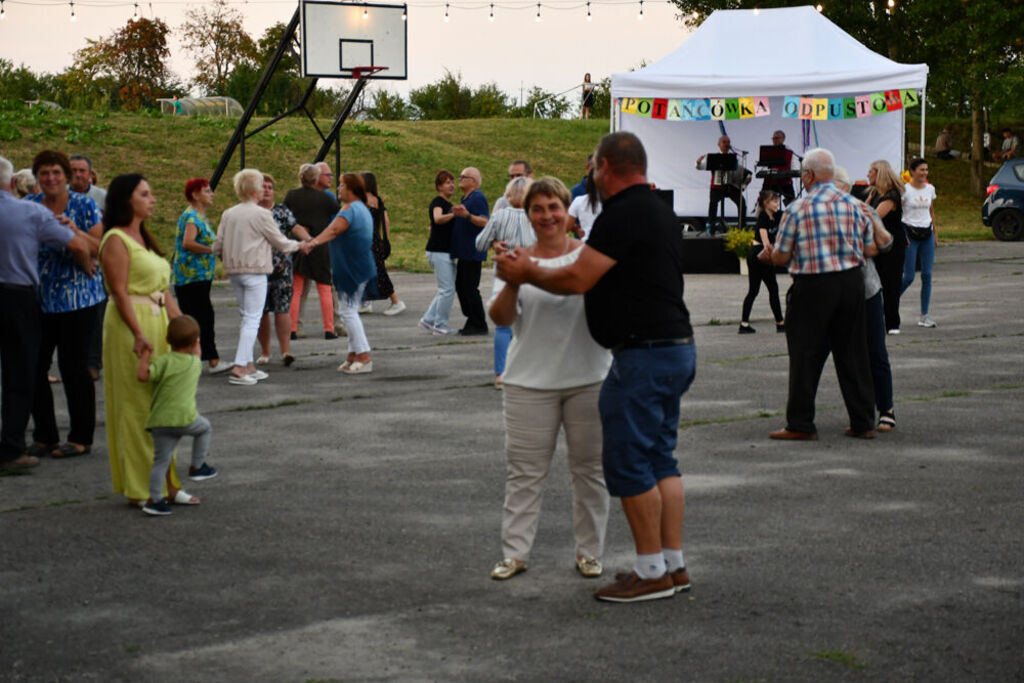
[352,266]
[194,267]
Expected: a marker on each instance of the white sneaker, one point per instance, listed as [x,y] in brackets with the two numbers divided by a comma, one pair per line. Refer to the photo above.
[366,307]
[925,321]
[244,380]
[259,375]
[894,330]
[395,308]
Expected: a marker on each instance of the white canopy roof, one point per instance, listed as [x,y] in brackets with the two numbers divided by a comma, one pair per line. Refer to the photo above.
[783,51]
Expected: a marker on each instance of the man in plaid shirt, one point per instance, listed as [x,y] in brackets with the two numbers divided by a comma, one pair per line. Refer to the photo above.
[824,237]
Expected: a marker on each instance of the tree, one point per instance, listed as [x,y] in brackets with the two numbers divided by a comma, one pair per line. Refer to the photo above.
[974,50]
[387,106]
[21,83]
[218,42]
[548,106]
[448,98]
[131,62]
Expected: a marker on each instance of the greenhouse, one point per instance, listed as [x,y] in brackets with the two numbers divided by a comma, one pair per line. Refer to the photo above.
[201,106]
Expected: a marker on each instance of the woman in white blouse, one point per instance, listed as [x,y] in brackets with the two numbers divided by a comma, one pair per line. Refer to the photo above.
[552,381]
[922,234]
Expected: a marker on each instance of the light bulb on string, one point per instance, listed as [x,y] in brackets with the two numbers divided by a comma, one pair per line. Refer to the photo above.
[366,14]
[589,18]
[892,3]
[405,12]
[491,17]
[446,12]
[538,12]
[819,8]
[135,14]
[640,16]
[3,12]
[73,17]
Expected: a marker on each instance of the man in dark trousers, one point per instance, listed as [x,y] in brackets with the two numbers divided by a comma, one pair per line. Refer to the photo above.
[631,273]
[23,227]
[824,237]
[470,217]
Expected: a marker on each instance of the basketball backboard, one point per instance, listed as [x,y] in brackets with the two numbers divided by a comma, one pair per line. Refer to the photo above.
[337,37]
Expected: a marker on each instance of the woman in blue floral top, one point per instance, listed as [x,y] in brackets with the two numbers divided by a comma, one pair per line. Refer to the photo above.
[71,303]
[194,265]
[279,282]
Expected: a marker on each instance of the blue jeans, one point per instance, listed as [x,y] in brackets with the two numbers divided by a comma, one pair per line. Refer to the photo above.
[444,272]
[639,408]
[878,355]
[927,251]
[502,339]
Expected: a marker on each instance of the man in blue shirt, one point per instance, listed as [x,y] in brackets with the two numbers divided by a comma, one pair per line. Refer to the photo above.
[470,217]
[23,227]
[580,188]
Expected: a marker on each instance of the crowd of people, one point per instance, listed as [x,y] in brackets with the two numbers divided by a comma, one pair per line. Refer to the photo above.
[592,333]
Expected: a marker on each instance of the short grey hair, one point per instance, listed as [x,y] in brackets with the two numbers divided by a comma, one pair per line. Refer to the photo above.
[842,177]
[821,162]
[6,173]
[515,191]
[309,174]
[81,157]
[248,184]
[25,183]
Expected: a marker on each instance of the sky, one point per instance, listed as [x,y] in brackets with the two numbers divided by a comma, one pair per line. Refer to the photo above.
[514,51]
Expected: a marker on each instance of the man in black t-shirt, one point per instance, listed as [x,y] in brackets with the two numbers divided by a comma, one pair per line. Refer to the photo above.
[631,273]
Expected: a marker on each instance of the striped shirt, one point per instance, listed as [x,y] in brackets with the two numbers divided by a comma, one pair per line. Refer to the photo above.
[507,225]
[825,231]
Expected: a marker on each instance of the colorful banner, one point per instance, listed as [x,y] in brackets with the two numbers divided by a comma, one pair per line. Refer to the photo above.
[793,107]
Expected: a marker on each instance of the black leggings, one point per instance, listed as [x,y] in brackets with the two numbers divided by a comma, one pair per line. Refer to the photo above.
[194,300]
[757,273]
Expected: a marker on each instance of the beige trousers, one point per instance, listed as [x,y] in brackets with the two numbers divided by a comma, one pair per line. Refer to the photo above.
[532,421]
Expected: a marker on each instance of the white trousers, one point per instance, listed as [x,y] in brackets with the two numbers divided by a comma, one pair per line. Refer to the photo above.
[532,421]
[251,294]
[349,310]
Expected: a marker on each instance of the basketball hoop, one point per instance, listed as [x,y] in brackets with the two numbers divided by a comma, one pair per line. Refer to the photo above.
[364,71]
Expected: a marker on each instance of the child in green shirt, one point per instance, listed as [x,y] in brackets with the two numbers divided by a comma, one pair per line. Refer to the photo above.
[172,412]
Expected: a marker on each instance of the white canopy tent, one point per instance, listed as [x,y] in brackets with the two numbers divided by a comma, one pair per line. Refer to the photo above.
[773,53]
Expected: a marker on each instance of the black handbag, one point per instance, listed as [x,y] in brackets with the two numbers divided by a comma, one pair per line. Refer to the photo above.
[918,234]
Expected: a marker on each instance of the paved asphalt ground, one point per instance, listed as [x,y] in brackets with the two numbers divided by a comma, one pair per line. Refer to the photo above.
[355,521]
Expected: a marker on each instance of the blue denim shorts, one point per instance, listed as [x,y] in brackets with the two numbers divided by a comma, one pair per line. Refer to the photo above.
[639,408]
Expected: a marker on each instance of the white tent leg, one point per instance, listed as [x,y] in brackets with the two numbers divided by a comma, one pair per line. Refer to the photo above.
[922,120]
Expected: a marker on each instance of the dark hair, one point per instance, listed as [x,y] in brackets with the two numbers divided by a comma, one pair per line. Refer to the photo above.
[765,196]
[82,157]
[118,212]
[51,157]
[526,165]
[370,181]
[353,182]
[624,153]
[194,185]
[914,163]
[593,197]
[182,332]
[1006,130]
[442,177]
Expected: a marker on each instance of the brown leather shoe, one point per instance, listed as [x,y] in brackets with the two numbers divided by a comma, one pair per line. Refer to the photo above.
[22,461]
[634,589]
[680,579]
[869,434]
[790,435]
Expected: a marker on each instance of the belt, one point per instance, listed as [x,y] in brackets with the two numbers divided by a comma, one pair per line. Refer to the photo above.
[653,343]
[17,288]
[155,301]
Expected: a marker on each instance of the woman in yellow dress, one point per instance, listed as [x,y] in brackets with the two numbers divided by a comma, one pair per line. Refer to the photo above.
[140,304]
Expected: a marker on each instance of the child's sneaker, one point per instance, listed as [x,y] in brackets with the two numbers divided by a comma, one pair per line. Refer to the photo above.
[161,508]
[201,473]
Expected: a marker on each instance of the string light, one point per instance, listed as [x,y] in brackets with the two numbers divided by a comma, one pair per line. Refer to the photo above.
[3,12]
[405,12]
[819,8]
[366,15]
[446,11]
[538,12]
[135,14]
[640,17]
[491,18]
[589,18]
[892,3]
[73,17]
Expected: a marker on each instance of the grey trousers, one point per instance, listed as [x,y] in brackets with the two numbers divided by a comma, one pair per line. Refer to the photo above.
[165,440]
[533,418]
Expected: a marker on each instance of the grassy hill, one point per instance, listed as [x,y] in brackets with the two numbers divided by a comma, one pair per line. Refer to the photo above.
[405,155]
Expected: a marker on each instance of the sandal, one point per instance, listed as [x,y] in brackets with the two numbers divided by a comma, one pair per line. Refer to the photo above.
[70,450]
[887,421]
[183,497]
[358,368]
[262,360]
[38,450]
